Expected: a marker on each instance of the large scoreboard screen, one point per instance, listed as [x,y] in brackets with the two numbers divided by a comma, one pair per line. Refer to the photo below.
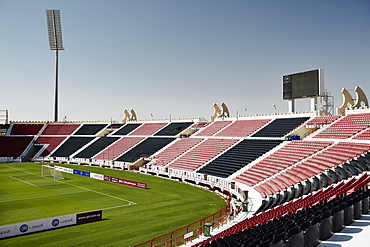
[303,85]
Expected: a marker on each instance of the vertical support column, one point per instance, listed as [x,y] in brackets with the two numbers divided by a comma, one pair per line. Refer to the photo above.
[56,87]
[291,106]
[314,104]
[56,68]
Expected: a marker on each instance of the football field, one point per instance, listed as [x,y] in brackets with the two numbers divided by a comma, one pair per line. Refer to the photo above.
[130,215]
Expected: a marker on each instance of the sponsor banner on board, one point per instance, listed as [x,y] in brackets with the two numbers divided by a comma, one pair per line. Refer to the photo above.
[7,231]
[61,221]
[64,169]
[86,174]
[107,178]
[31,226]
[132,183]
[114,180]
[89,217]
[96,176]
[77,172]
[49,223]
[125,182]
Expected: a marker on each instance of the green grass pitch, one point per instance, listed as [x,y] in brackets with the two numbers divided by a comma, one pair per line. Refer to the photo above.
[130,215]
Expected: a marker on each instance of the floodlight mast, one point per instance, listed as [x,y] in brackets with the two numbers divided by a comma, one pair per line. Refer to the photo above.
[55,43]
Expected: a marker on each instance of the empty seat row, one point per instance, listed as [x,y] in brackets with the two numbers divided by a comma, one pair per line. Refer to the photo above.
[346,127]
[238,157]
[118,148]
[280,160]
[242,128]
[175,150]
[316,164]
[213,128]
[145,148]
[201,154]
[280,127]
[322,121]
[303,222]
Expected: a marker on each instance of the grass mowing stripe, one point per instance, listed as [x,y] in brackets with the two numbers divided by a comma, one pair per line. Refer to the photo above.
[36,197]
[115,197]
[130,202]
[22,180]
[20,170]
[166,206]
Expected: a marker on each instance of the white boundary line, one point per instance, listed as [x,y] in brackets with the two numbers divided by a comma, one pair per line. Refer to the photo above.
[34,184]
[130,202]
[14,177]
[22,181]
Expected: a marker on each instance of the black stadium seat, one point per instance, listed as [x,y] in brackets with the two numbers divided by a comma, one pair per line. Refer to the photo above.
[280,127]
[96,147]
[90,129]
[146,148]
[72,145]
[173,129]
[126,129]
[238,157]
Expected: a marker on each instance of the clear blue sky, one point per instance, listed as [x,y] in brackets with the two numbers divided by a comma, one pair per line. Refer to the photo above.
[176,57]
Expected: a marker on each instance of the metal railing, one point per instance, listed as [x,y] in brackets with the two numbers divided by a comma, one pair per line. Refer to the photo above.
[190,232]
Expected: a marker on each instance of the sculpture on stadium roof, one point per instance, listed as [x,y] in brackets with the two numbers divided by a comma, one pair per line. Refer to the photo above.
[348,103]
[220,113]
[129,116]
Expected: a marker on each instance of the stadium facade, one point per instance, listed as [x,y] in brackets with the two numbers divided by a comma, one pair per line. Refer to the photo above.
[297,178]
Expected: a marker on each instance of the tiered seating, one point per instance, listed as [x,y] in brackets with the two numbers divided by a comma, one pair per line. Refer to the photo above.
[364,135]
[60,129]
[118,148]
[223,154]
[13,146]
[303,222]
[52,142]
[148,129]
[72,145]
[242,128]
[213,128]
[90,129]
[285,157]
[173,129]
[280,127]
[200,125]
[96,147]
[115,126]
[126,129]
[145,148]
[175,150]
[322,121]
[238,156]
[201,154]
[328,158]
[346,127]
[26,129]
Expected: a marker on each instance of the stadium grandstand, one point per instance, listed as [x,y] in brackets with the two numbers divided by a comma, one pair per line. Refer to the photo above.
[292,179]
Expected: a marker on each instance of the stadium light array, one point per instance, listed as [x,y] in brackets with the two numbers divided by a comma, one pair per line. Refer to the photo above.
[55,43]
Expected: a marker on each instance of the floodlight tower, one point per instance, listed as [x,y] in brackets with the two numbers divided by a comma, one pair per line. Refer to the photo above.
[56,44]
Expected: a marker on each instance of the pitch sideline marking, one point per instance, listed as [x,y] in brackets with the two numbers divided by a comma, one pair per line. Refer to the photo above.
[22,181]
[29,182]
[41,185]
[130,202]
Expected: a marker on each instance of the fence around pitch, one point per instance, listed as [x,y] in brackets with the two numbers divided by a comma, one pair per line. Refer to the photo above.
[190,232]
